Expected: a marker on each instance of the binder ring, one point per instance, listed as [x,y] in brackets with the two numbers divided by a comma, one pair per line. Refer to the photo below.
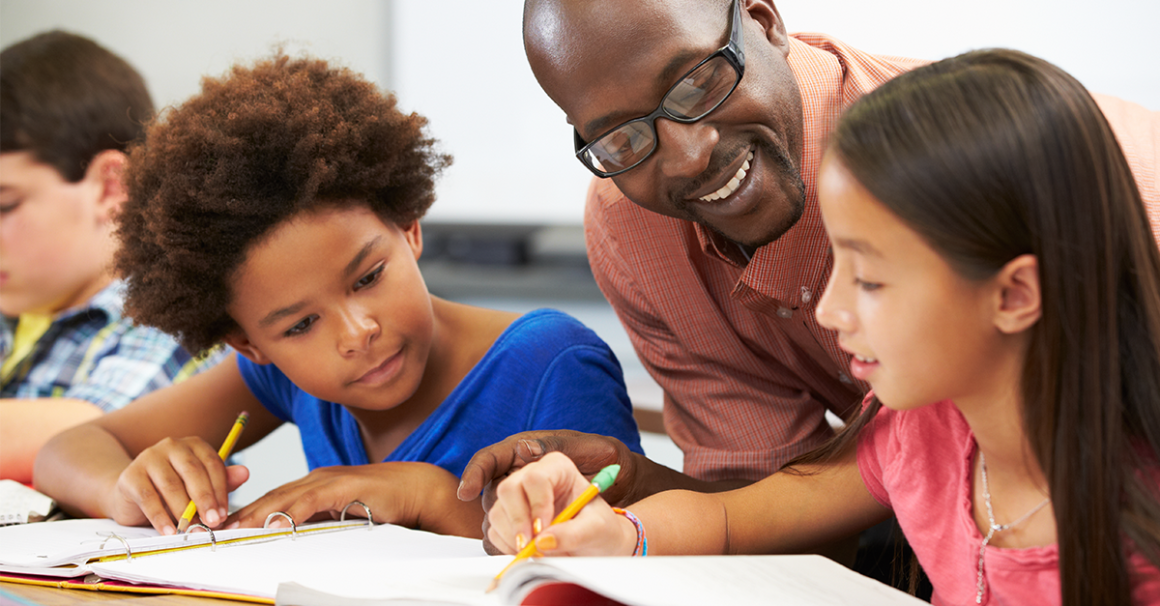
[128,551]
[370,520]
[212,540]
[293,526]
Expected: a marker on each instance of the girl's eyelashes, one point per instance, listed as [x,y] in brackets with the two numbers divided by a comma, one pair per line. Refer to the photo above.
[302,327]
[866,286]
[370,278]
[7,208]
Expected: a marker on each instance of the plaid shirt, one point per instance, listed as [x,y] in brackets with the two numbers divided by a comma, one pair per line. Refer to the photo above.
[747,371]
[94,353]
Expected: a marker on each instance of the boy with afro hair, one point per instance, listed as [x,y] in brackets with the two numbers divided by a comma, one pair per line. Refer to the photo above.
[278,212]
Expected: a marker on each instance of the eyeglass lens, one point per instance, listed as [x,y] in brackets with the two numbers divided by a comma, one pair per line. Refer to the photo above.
[694,96]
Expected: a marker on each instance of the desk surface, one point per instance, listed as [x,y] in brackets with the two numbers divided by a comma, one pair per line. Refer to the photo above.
[17,594]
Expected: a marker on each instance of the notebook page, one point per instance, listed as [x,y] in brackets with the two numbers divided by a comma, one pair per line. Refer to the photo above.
[698,580]
[257,569]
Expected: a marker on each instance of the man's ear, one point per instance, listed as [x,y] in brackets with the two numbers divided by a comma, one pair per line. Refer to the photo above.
[1019,299]
[414,235]
[242,344]
[106,175]
[765,13]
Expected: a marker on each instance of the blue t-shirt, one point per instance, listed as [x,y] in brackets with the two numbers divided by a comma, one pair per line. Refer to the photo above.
[546,371]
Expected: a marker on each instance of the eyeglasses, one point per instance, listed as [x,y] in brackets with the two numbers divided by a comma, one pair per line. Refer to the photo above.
[700,91]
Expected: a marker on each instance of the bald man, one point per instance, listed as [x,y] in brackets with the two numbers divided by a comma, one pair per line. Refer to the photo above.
[704,123]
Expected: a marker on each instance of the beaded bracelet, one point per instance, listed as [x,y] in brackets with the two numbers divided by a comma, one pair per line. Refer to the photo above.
[641,548]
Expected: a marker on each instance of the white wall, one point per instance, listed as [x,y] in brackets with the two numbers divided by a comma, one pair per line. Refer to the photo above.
[436,54]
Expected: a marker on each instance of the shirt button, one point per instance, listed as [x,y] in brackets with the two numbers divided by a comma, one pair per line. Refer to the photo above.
[806,295]
[843,377]
[785,312]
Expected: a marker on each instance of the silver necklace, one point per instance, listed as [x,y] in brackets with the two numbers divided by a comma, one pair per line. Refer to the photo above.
[992,527]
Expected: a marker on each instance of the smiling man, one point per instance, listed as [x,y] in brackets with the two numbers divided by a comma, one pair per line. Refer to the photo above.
[705,123]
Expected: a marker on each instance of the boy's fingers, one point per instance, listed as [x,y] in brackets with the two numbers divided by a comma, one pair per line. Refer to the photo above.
[191,481]
[137,486]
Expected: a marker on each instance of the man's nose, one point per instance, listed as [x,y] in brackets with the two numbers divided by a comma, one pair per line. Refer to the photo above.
[684,149]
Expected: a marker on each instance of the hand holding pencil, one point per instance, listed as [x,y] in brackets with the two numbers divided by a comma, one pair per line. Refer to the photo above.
[223,453]
[538,491]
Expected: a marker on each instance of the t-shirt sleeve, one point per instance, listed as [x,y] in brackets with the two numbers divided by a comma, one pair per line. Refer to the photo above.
[583,390]
[270,386]
[875,448]
[132,362]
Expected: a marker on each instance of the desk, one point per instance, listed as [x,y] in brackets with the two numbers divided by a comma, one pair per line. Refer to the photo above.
[17,594]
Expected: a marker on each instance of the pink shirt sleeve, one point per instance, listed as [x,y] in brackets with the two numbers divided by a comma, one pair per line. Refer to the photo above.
[877,446]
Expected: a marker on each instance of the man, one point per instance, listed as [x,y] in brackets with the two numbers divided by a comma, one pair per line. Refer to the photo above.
[68,110]
[706,237]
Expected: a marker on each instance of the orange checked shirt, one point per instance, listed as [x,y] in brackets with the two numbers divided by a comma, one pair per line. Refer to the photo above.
[747,371]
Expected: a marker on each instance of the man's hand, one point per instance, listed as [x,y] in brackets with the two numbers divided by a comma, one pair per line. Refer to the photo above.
[589,452]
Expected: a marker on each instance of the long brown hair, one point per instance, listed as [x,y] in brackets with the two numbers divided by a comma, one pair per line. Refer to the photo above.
[993,154]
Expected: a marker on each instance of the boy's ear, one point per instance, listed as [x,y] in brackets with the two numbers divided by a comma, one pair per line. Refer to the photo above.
[242,344]
[106,174]
[1020,303]
[414,235]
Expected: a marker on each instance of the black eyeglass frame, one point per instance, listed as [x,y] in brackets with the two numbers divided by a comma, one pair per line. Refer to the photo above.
[733,52]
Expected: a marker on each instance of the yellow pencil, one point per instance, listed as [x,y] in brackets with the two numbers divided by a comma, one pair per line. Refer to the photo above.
[602,481]
[223,452]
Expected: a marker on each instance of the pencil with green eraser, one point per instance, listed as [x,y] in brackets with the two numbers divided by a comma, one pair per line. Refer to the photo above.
[223,452]
[599,484]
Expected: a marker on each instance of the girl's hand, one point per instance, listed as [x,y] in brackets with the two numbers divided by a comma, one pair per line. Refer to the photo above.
[532,496]
[158,485]
[415,495]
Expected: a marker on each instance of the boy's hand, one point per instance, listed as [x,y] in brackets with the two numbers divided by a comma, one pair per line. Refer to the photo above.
[158,485]
[537,492]
[414,495]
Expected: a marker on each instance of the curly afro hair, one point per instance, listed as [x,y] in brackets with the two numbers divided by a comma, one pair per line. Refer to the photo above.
[255,148]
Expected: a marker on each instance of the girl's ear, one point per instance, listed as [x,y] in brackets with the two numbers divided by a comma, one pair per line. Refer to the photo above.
[242,344]
[1020,305]
[414,235]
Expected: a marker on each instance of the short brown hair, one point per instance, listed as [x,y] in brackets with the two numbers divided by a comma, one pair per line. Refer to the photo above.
[66,98]
[255,148]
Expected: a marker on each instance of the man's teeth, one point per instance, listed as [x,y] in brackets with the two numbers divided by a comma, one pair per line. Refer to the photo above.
[866,360]
[733,183]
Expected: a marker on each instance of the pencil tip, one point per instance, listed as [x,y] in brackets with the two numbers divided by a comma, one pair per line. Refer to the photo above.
[492,586]
[182,524]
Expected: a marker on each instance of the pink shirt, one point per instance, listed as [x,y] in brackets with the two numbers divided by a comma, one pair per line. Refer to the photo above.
[918,463]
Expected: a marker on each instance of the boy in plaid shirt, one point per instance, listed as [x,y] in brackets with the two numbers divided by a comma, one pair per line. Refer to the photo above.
[68,109]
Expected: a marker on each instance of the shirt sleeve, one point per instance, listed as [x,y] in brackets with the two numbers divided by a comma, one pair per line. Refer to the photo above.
[133,361]
[732,421]
[272,388]
[583,390]
[875,447]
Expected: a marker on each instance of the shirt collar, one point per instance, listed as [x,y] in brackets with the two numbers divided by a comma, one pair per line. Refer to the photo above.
[793,269]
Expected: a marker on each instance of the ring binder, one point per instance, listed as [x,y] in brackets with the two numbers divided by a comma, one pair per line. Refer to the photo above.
[370,520]
[113,535]
[212,540]
[293,526]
